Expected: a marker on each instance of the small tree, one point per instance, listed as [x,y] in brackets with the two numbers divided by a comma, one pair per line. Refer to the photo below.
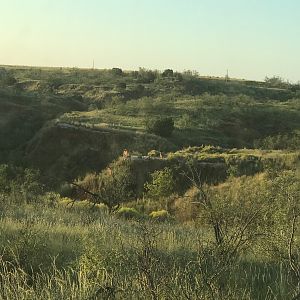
[111,187]
[167,73]
[146,76]
[162,184]
[276,81]
[117,71]
[163,126]
[23,185]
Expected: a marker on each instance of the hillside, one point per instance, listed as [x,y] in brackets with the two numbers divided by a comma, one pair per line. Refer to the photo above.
[22,115]
[203,204]
[237,121]
[105,111]
[96,85]
[64,152]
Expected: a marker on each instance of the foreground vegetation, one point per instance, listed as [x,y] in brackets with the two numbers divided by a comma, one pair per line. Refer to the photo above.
[234,240]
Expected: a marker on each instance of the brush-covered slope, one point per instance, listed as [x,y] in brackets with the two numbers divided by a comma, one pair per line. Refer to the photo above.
[101,112]
[23,114]
[221,120]
[63,152]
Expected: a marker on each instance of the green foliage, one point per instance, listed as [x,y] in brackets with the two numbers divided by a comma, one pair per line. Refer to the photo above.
[160,215]
[137,91]
[154,153]
[128,213]
[236,162]
[146,76]
[239,198]
[117,71]
[167,73]
[85,253]
[204,110]
[22,185]
[51,199]
[61,248]
[236,121]
[54,82]
[186,121]
[276,82]
[111,187]
[162,126]
[6,78]
[248,165]
[162,184]
[289,141]
[120,86]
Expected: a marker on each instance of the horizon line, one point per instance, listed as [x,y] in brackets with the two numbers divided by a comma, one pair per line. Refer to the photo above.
[130,70]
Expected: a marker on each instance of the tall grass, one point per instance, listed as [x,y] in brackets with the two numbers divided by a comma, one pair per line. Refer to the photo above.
[77,253]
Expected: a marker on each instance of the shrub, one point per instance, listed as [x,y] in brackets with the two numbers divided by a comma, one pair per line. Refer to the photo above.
[163,126]
[117,71]
[23,185]
[162,184]
[54,82]
[184,208]
[279,141]
[146,76]
[111,187]
[154,153]
[160,215]
[128,213]
[167,73]
[51,199]
[83,205]
[137,91]
[244,165]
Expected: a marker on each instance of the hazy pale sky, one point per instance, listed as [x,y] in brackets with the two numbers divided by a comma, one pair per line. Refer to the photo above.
[251,38]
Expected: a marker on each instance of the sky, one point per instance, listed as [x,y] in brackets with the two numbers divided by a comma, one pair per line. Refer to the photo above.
[250,38]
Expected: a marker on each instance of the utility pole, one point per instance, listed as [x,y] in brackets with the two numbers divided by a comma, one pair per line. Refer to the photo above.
[93,64]
[227,76]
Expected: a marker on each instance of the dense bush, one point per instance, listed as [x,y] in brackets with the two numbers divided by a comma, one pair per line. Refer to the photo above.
[167,73]
[162,126]
[280,141]
[162,184]
[111,187]
[160,215]
[154,153]
[117,71]
[21,185]
[128,213]
[146,76]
